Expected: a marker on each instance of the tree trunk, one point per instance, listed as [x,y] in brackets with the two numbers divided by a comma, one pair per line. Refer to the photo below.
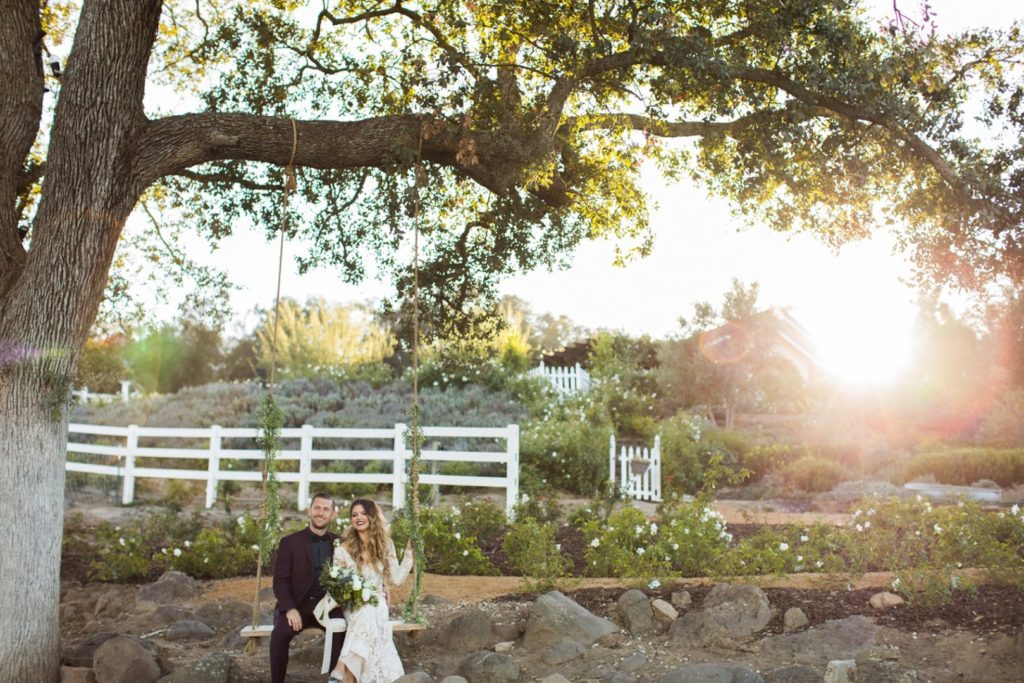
[33,436]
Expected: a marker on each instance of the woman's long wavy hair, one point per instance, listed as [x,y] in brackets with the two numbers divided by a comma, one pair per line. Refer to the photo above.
[377,545]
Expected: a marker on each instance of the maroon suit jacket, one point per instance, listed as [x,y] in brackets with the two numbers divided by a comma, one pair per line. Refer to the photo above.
[294,572]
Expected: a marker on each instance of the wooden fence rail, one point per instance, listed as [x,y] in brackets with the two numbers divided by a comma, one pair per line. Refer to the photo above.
[126,459]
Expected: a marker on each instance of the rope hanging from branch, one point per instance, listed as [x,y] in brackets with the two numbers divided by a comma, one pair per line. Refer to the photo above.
[271,418]
[412,605]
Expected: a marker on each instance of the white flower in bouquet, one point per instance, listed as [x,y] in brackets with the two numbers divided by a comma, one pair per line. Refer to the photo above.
[357,583]
[367,594]
[335,571]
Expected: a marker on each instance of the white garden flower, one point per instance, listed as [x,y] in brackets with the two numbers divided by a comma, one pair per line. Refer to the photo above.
[121,540]
[1015,509]
[867,525]
[819,564]
[857,513]
[639,529]
[871,511]
[640,551]
[937,529]
[783,547]
[654,585]
[594,543]
[241,520]
[177,552]
[188,544]
[558,547]
[804,538]
[654,528]
[799,558]
[675,546]
[458,536]
[465,553]
[859,528]
[917,533]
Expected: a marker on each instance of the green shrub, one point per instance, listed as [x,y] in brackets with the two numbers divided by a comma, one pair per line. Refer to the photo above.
[567,451]
[531,548]
[964,466]
[540,508]
[481,518]
[449,548]
[813,474]
[625,546]
[766,458]
[692,536]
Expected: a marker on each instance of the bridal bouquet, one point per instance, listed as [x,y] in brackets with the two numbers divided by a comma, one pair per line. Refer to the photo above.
[347,587]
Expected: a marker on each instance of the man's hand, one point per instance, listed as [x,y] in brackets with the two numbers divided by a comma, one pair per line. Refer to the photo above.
[294,620]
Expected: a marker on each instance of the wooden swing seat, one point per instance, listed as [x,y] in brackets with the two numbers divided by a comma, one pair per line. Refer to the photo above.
[337,625]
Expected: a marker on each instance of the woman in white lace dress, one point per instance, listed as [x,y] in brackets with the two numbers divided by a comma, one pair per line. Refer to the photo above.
[369,654]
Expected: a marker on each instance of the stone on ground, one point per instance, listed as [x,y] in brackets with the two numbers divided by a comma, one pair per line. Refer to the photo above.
[124,660]
[794,674]
[484,666]
[664,613]
[190,629]
[504,647]
[727,613]
[555,678]
[562,651]
[633,663]
[454,679]
[681,599]
[835,639]
[467,632]
[635,611]
[793,619]
[171,587]
[885,600]
[841,671]
[415,677]
[712,672]
[554,617]
[216,668]
[224,615]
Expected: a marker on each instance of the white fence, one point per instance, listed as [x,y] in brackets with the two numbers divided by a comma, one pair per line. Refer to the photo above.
[314,447]
[567,380]
[85,396]
[639,470]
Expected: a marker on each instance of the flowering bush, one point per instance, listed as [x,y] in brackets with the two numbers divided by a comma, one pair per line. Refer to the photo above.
[448,547]
[627,546]
[531,548]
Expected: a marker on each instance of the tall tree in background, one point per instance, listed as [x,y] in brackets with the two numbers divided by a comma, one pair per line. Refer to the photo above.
[532,122]
[724,359]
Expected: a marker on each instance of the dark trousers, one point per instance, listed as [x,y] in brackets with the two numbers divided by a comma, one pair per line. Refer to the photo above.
[281,638]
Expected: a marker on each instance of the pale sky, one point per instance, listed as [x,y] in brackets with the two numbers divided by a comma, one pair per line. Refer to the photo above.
[855,303]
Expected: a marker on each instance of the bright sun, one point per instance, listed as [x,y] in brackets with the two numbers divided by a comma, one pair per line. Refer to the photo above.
[864,348]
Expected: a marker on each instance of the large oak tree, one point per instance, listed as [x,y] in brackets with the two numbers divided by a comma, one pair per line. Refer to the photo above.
[531,119]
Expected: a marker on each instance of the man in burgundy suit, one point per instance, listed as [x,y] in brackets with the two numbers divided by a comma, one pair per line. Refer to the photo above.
[300,557]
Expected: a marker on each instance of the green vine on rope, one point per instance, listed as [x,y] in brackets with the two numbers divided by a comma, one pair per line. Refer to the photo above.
[270,511]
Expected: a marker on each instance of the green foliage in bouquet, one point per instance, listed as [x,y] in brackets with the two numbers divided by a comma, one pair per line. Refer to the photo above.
[347,587]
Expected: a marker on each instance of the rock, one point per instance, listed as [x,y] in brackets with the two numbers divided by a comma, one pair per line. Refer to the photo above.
[885,600]
[431,599]
[681,599]
[215,668]
[712,672]
[835,639]
[165,615]
[555,678]
[467,632]
[554,617]
[124,660]
[506,630]
[224,615]
[664,613]
[793,619]
[504,647]
[484,666]
[728,612]
[190,629]
[562,651]
[841,671]
[415,677]
[633,663]
[621,677]
[80,654]
[454,679]
[612,639]
[171,587]
[109,604]
[794,674]
[636,613]
[602,672]
[881,671]
[76,674]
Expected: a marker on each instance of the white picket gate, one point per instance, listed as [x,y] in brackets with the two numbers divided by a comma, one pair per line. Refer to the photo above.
[566,380]
[638,470]
[126,457]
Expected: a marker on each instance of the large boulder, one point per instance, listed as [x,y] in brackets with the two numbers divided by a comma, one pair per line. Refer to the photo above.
[224,615]
[83,652]
[415,677]
[555,617]
[712,672]
[216,668]
[835,639]
[190,629]
[636,613]
[794,674]
[729,612]
[124,660]
[171,587]
[484,666]
[467,632]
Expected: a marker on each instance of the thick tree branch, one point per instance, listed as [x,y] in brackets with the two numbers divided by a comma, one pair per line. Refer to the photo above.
[222,178]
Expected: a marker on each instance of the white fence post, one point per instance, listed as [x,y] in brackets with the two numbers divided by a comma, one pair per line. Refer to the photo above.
[398,489]
[611,459]
[512,471]
[214,466]
[126,390]
[656,467]
[131,444]
[305,464]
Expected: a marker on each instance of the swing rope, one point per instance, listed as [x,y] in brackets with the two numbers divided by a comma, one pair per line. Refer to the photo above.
[412,605]
[272,419]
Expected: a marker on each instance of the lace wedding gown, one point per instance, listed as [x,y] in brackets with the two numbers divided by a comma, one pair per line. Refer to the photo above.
[369,651]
